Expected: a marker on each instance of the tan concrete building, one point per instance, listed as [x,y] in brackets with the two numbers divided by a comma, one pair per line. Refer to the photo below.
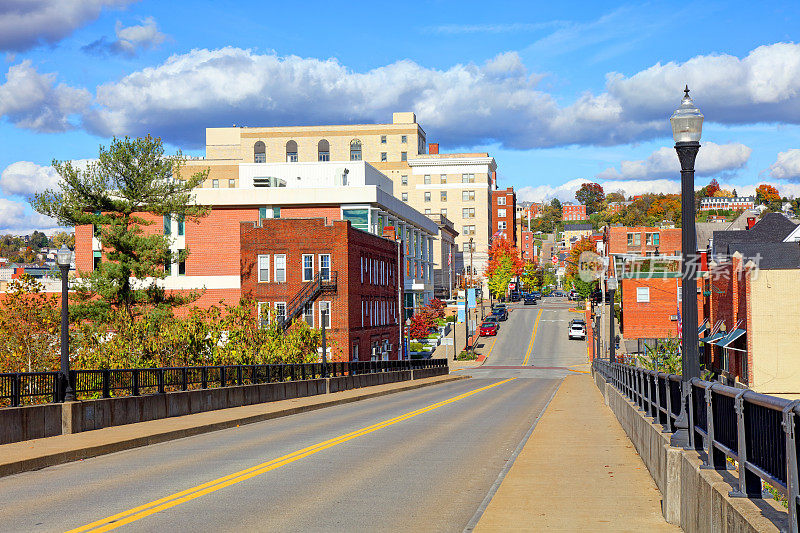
[444,255]
[457,186]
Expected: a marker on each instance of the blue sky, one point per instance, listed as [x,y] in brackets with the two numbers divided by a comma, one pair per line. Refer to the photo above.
[557,92]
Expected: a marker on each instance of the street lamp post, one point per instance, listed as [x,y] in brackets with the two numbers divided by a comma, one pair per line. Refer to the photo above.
[687,126]
[612,348]
[63,259]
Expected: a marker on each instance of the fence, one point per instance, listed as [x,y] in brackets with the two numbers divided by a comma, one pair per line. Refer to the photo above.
[24,388]
[757,431]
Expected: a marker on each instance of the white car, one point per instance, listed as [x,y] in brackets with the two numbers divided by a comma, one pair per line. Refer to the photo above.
[577,331]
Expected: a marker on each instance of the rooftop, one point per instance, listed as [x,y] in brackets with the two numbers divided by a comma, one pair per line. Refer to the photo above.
[773,228]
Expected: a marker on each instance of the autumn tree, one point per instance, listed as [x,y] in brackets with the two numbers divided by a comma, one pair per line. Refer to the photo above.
[132,184]
[532,276]
[592,196]
[616,196]
[30,324]
[766,194]
[504,264]
[712,187]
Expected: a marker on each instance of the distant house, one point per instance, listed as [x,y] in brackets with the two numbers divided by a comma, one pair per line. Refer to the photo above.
[728,203]
[572,211]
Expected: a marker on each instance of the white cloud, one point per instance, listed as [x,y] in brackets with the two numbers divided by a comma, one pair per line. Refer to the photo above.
[787,166]
[564,192]
[130,39]
[25,178]
[34,101]
[25,24]
[16,216]
[663,163]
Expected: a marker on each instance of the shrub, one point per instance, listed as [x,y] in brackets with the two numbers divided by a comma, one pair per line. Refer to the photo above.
[467,355]
[415,346]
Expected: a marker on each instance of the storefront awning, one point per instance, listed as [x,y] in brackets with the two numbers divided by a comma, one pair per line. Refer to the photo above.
[732,336]
[702,327]
[712,339]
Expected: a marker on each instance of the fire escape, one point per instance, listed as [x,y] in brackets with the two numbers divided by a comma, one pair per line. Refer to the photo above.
[308,294]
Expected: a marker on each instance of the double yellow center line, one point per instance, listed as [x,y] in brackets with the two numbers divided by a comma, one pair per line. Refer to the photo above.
[137,513]
[533,338]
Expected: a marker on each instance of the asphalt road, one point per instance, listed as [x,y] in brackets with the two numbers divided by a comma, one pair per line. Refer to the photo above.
[421,460]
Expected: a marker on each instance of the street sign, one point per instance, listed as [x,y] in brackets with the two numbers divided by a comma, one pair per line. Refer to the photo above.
[447,341]
[555,260]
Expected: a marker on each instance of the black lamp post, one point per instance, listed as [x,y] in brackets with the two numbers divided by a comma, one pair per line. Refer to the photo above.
[63,259]
[323,319]
[612,353]
[687,126]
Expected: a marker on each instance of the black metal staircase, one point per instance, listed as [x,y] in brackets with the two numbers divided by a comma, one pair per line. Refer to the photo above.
[307,294]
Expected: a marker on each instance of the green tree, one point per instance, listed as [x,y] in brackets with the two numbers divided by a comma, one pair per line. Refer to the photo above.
[130,185]
[592,196]
[504,264]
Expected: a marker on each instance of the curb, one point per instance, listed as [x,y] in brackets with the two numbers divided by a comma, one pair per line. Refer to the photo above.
[87,452]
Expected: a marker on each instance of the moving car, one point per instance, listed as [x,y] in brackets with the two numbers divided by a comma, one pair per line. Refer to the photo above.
[530,299]
[488,329]
[515,297]
[500,312]
[577,329]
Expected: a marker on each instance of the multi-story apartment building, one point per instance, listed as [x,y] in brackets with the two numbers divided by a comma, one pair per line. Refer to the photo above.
[353,191]
[445,276]
[455,185]
[728,203]
[572,211]
[527,246]
[458,186]
[504,214]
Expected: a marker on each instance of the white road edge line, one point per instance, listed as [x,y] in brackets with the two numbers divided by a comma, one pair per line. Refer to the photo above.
[504,471]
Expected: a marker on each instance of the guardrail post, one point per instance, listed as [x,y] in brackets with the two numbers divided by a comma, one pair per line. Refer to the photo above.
[715,458]
[16,387]
[160,376]
[204,377]
[105,377]
[749,483]
[221,376]
[184,378]
[136,382]
[689,397]
[668,392]
[239,375]
[792,481]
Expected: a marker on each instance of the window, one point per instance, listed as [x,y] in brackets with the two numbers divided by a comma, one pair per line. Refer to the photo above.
[404,196]
[181,263]
[354,356]
[280,310]
[653,239]
[308,267]
[643,294]
[467,196]
[280,268]
[167,225]
[325,266]
[215,184]
[427,196]
[181,225]
[355,150]
[443,196]
[501,200]
[501,225]
[291,152]
[634,239]
[359,218]
[308,314]
[231,183]
[325,314]
[404,139]
[263,269]
[467,178]
[276,212]
[383,156]
[96,257]
[443,178]
[469,230]
[263,314]
[468,212]
[444,212]
[323,150]
[260,152]
[427,211]
[501,213]
[426,179]
[403,156]
[403,180]
[383,139]
[168,264]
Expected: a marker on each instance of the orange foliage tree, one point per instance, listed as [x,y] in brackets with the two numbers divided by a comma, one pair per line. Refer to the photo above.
[504,263]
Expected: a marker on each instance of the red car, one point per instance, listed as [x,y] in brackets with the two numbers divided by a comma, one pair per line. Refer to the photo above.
[488,328]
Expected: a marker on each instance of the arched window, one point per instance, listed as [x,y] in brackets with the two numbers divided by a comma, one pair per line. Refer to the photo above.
[355,150]
[323,151]
[260,152]
[291,152]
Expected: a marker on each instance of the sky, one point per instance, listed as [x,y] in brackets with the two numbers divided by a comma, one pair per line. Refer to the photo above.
[559,93]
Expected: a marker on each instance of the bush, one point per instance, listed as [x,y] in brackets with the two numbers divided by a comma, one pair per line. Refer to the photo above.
[451,318]
[415,346]
[467,355]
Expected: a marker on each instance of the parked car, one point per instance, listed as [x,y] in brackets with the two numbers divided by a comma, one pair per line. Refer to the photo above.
[500,312]
[530,299]
[492,318]
[488,328]
[537,294]
[515,296]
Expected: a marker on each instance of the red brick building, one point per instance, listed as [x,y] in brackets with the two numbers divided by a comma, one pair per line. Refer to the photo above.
[280,257]
[527,247]
[504,213]
[571,211]
[650,303]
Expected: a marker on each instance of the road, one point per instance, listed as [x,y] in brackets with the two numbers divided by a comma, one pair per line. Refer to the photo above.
[422,460]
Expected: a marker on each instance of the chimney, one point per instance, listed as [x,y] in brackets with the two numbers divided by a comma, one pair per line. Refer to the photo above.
[751,221]
[389,233]
[433,148]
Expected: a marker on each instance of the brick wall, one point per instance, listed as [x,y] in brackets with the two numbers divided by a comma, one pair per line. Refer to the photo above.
[652,319]
[212,243]
[84,258]
[617,239]
[329,213]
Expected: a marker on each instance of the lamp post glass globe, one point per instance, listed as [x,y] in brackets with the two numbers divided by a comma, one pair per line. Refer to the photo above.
[64,256]
[687,120]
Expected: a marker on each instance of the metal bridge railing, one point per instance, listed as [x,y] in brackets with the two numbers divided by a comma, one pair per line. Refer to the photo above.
[757,431]
[24,388]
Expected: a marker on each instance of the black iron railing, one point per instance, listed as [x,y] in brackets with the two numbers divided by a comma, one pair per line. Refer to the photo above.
[308,294]
[756,431]
[25,388]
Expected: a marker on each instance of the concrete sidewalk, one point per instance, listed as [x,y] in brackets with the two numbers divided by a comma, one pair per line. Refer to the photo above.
[40,453]
[578,471]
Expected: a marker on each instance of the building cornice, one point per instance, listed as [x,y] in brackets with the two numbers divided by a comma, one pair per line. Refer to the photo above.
[452,161]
